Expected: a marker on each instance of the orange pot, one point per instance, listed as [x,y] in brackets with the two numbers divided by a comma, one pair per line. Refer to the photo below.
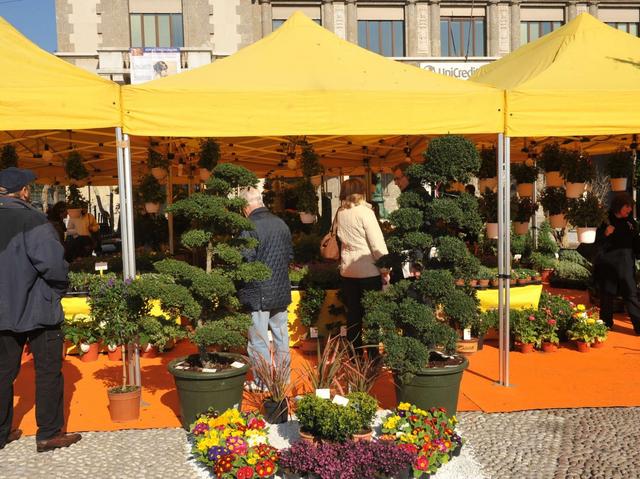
[150,351]
[597,344]
[526,348]
[306,437]
[114,355]
[363,437]
[124,406]
[583,347]
[89,353]
[549,347]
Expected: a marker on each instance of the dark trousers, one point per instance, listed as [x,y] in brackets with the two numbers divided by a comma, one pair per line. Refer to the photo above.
[46,346]
[631,303]
[352,290]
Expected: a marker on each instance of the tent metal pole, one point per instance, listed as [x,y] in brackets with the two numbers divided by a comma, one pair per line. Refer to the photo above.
[506,256]
[170,215]
[501,279]
[124,238]
[128,184]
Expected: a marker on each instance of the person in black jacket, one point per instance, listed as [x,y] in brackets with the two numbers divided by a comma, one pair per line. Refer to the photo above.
[614,267]
[267,300]
[33,278]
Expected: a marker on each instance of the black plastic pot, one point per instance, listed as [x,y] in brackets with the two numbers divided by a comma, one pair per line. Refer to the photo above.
[199,391]
[275,412]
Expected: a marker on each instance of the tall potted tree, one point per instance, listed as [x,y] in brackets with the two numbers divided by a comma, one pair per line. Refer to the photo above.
[619,168]
[214,379]
[551,162]
[577,170]
[209,157]
[586,214]
[554,202]
[158,164]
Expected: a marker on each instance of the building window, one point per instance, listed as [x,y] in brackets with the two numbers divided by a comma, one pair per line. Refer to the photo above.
[530,31]
[277,23]
[385,37]
[160,30]
[629,27]
[463,37]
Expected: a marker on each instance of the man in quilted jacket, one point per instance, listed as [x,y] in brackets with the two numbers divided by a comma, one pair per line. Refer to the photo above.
[267,300]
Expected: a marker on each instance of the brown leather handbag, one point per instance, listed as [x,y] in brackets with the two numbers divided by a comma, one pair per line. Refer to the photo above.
[329,247]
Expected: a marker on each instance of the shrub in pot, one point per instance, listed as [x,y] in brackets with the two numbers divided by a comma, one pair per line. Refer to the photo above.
[326,420]
[209,156]
[586,214]
[619,168]
[157,163]
[159,332]
[485,275]
[550,161]
[450,158]
[577,169]
[8,157]
[210,295]
[152,193]
[84,333]
[554,202]
[485,321]
[74,166]
[488,172]
[522,209]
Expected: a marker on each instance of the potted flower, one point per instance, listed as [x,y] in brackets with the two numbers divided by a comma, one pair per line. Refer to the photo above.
[554,202]
[525,174]
[84,333]
[601,334]
[310,165]
[233,444]
[158,164]
[486,320]
[74,167]
[307,201]
[485,275]
[558,308]
[8,157]
[577,170]
[525,330]
[208,296]
[586,214]
[522,211]
[209,157]
[413,427]
[619,169]
[488,172]
[550,160]
[461,309]
[584,329]
[548,330]
[488,206]
[75,202]
[308,311]
[274,376]
[152,193]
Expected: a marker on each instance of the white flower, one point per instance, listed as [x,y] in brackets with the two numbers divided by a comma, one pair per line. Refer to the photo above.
[253,441]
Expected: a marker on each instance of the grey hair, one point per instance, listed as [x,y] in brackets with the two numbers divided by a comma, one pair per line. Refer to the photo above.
[252,196]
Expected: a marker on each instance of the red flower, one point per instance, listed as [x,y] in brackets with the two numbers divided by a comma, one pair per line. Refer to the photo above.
[532,318]
[552,322]
[255,423]
[422,463]
[245,472]
[224,464]
[265,468]
[409,448]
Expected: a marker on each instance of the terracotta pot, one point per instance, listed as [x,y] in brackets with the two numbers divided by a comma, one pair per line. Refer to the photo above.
[557,221]
[524,281]
[151,207]
[483,283]
[492,230]
[307,218]
[204,174]
[460,282]
[597,344]
[525,190]
[582,346]
[484,183]
[587,235]
[575,190]
[495,283]
[309,346]
[467,347]
[124,406]
[158,173]
[149,351]
[618,184]
[74,212]
[553,178]
[521,227]
[473,283]
[306,437]
[525,348]
[546,274]
[367,436]
[114,354]
[512,282]
[89,352]
[549,347]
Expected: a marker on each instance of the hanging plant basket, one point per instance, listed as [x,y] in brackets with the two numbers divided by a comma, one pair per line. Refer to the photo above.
[618,184]
[204,174]
[525,190]
[587,235]
[575,190]
[159,173]
[553,179]
[484,183]
[558,221]
[492,230]
[521,227]
[307,218]
[152,208]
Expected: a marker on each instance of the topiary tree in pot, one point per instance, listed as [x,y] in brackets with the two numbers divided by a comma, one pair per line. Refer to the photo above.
[152,193]
[217,224]
[208,157]
[8,157]
[74,167]
[554,202]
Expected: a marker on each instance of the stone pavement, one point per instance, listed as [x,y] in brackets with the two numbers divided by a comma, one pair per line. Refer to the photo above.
[561,443]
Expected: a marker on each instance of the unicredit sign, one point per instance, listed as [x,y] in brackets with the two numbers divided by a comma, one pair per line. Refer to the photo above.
[460,70]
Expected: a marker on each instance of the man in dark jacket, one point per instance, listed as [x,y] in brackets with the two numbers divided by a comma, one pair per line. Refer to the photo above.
[267,300]
[33,277]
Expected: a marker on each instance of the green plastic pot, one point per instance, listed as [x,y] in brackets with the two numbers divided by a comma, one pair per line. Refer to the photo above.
[199,391]
[433,387]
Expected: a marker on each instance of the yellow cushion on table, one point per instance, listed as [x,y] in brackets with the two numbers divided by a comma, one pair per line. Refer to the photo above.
[297,331]
[75,305]
[521,297]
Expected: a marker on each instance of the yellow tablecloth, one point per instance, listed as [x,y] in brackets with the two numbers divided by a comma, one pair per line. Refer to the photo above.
[521,297]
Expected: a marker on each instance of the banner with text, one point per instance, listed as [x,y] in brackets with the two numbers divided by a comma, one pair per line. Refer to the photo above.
[460,70]
[151,63]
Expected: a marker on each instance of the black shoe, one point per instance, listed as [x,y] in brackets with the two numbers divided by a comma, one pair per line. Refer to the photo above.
[59,440]
[13,436]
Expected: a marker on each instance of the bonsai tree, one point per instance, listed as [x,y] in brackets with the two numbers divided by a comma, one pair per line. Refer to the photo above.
[586,211]
[576,167]
[524,172]
[522,209]
[8,157]
[217,224]
[159,331]
[550,158]
[450,158]
[151,191]
[310,306]
[209,154]
[488,163]
[156,159]
[554,200]
[619,164]
[75,200]
[74,167]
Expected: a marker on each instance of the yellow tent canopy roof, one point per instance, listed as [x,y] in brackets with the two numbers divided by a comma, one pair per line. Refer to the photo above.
[39,91]
[582,79]
[304,80]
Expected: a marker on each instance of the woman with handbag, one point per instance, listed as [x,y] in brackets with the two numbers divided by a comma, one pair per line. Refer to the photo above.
[361,245]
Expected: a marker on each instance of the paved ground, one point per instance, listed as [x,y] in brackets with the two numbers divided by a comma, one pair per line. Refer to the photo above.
[566,443]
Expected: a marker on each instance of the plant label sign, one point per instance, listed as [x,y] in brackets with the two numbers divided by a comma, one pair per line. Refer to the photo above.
[208,370]
[237,364]
[313,333]
[102,266]
[323,393]
[340,400]
[466,334]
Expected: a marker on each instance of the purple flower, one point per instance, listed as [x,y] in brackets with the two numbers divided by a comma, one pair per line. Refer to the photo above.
[216,452]
[128,281]
[111,282]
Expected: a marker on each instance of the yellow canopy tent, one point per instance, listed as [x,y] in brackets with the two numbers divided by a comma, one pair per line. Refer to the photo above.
[39,91]
[582,79]
[304,80]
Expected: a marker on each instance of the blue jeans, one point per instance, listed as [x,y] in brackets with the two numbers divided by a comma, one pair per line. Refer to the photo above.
[276,320]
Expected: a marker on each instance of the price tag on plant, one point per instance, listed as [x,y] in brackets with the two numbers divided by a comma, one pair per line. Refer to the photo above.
[237,364]
[313,333]
[208,370]
[102,266]
[323,393]
[343,331]
[466,334]
[340,400]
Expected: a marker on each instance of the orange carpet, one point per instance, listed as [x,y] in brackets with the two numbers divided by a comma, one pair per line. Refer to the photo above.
[566,379]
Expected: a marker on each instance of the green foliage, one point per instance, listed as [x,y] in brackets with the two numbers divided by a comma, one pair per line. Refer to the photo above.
[306,247]
[326,420]
[75,200]
[541,261]
[488,206]
[226,331]
[451,158]
[310,163]
[521,244]
[586,211]
[485,273]
[576,167]
[619,164]
[434,285]
[472,220]
[488,163]
[461,309]
[522,209]
[8,157]
[366,407]
[297,274]
[554,200]
[573,256]
[524,173]
[524,326]
[323,276]
[81,331]
[454,255]
[551,157]
[307,198]
[407,219]
[572,271]
[486,320]
[74,167]
[310,305]
[547,244]
[209,154]
[156,159]
[151,191]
